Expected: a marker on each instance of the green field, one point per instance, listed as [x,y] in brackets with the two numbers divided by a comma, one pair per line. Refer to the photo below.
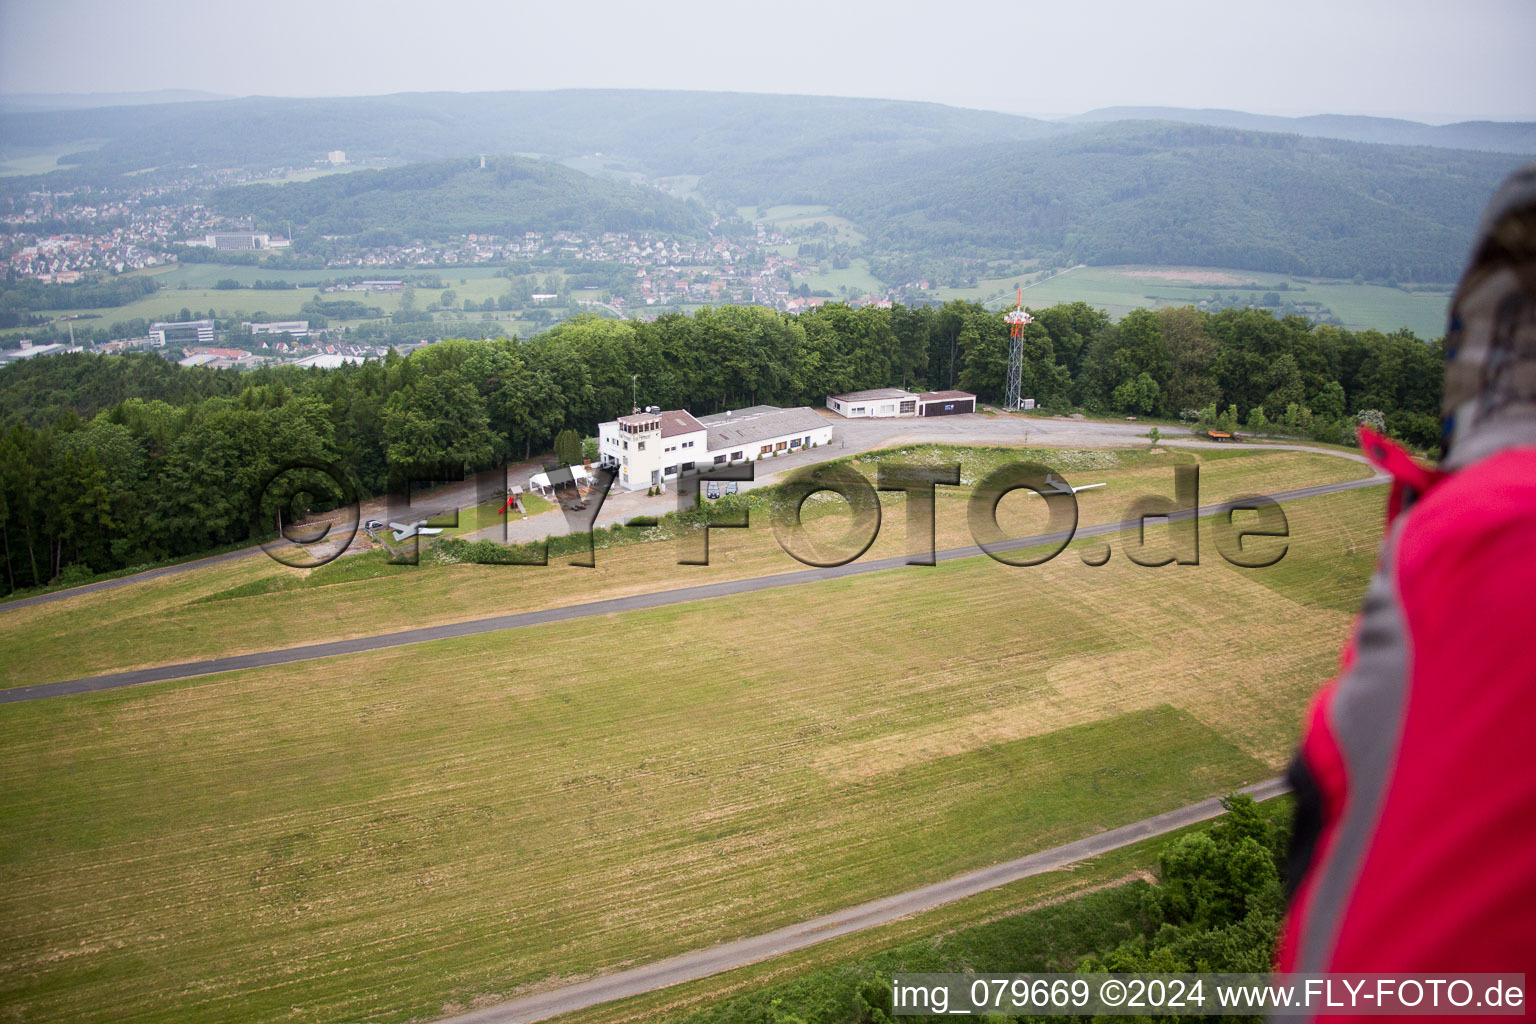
[309,174]
[19,160]
[191,286]
[855,278]
[402,833]
[789,219]
[1119,290]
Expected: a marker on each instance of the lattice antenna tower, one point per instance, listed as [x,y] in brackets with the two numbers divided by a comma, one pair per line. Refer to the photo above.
[1017,320]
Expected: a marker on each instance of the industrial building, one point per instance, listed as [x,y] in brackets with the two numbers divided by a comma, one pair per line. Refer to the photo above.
[292,328]
[187,332]
[651,447]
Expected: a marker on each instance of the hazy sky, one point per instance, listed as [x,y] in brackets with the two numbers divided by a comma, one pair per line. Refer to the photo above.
[1435,61]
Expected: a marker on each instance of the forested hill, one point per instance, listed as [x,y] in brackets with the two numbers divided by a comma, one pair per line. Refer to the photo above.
[508,196]
[1136,192]
[654,132]
[1489,136]
[919,179]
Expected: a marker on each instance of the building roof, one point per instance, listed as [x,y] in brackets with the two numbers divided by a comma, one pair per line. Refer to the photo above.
[676,421]
[943,396]
[636,419]
[759,423]
[875,394]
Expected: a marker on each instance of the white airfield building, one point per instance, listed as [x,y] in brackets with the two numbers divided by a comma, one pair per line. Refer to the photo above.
[896,403]
[651,447]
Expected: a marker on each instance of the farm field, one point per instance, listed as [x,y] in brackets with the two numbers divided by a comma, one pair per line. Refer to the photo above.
[1118,290]
[256,604]
[191,286]
[19,160]
[787,218]
[404,833]
[855,278]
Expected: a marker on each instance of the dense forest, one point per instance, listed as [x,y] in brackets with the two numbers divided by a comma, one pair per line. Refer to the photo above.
[107,462]
[436,201]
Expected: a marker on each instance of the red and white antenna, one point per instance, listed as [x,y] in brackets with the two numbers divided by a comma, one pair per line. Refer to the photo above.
[1017,319]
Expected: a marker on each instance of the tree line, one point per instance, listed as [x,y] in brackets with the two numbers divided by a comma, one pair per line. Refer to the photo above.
[110,462]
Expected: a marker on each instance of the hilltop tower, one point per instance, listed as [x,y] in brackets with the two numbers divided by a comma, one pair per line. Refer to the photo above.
[1017,320]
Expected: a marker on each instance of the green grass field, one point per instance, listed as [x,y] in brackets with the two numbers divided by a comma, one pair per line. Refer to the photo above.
[791,219]
[405,833]
[1119,290]
[18,160]
[191,286]
[856,278]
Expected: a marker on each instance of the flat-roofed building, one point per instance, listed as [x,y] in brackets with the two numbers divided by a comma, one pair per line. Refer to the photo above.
[185,332]
[237,240]
[762,431]
[293,328]
[945,403]
[881,403]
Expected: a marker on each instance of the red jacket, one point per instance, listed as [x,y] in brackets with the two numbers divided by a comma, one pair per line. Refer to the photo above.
[1415,844]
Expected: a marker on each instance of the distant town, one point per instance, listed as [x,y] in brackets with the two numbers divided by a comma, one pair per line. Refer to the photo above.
[82,234]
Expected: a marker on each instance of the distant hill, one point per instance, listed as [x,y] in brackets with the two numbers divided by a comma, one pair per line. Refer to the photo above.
[1489,136]
[656,133]
[33,101]
[1262,193]
[1134,192]
[508,196]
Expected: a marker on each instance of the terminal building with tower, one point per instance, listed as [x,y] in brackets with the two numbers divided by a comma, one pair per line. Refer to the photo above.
[652,447]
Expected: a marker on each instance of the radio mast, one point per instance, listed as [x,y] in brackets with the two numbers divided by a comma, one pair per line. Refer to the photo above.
[1017,320]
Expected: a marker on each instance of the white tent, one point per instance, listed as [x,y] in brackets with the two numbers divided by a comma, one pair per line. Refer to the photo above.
[539,483]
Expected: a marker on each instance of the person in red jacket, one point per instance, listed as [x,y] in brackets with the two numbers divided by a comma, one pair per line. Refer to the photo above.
[1414,844]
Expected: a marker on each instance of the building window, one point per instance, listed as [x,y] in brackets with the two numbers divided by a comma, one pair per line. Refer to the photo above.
[857,410]
[719,459]
[736,456]
[782,445]
[626,444]
[669,471]
[641,444]
[907,407]
[766,449]
[687,466]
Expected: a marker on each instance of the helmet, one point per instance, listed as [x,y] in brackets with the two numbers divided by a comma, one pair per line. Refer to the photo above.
[1490,373]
